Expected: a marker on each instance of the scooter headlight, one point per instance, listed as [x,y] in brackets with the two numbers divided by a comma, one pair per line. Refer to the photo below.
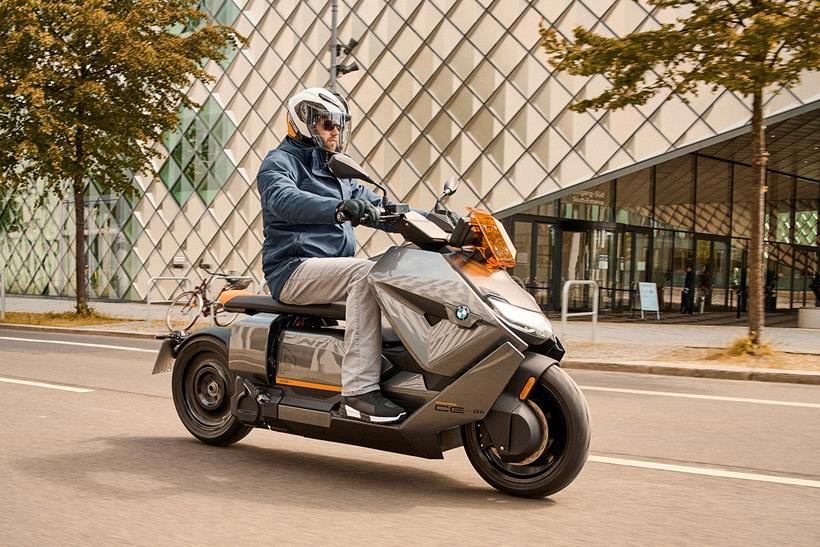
[529,322]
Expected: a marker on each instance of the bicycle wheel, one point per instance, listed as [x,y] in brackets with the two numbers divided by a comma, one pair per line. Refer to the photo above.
[183,311]
[223,318]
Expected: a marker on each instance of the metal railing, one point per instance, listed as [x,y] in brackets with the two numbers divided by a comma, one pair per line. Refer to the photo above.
[153,282]
[565,305]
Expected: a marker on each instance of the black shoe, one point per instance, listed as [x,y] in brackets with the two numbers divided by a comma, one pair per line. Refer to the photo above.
[371,407]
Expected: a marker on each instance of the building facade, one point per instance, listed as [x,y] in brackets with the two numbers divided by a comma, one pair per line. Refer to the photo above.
[454,88]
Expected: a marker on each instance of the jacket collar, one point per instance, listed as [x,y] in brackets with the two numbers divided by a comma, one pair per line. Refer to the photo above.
[312,156]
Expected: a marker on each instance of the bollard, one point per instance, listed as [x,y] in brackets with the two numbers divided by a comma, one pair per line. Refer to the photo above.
[565,305]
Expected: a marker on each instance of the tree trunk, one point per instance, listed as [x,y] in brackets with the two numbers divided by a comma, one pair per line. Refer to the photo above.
[79,245]
[79,226]
[759,158]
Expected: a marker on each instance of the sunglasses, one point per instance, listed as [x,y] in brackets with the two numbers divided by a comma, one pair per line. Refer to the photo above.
[328,125]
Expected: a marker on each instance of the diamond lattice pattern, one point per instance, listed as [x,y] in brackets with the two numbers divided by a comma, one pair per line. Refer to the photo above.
[445,88]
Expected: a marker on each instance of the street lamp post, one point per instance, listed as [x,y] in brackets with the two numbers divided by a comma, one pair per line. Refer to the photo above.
[335,48]
[334,51]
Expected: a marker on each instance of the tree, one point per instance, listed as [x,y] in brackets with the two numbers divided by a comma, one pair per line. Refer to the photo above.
[745,46]
[87,87]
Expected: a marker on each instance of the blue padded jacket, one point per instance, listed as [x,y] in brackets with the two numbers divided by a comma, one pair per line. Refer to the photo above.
[299,199]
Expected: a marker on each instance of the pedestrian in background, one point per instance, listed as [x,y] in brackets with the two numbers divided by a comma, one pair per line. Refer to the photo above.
[688,296]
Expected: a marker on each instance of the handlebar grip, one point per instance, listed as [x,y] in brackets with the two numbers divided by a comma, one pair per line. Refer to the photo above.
[341,217]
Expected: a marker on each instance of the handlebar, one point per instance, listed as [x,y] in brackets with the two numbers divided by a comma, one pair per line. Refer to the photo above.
[384,216]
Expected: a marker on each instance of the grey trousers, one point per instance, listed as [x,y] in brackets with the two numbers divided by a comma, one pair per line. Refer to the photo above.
[328,280]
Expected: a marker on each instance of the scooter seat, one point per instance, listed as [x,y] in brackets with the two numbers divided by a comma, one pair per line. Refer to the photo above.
[253,304]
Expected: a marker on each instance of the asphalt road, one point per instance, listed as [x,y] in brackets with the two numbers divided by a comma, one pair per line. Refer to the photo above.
[674,461]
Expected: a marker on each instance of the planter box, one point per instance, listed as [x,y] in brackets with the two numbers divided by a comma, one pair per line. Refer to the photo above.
[808,318]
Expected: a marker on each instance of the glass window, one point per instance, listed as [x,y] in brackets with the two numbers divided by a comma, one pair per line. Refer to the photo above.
[674,190]
[548,209]
[737,275]
[807,204]
[806,282]
[522,239]
[778,280]
[714,191]
[682,257]
[633,198]
[742,201]
[591,204]
[662,266]
[543,264]
[779,207]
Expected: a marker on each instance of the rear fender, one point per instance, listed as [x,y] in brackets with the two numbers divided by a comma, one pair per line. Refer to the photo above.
[173,347]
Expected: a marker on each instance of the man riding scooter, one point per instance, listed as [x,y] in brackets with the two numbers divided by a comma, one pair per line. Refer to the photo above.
[307,256]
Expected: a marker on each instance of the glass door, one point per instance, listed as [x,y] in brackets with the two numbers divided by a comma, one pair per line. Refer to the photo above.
[711,274]
[542,265]
[575,264]
[588,255]
[533,263]
[632,268]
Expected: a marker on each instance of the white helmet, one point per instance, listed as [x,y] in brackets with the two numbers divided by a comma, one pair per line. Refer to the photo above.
[313,105]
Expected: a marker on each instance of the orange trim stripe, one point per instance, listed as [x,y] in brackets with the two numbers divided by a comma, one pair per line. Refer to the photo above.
[310,385]
[527,388]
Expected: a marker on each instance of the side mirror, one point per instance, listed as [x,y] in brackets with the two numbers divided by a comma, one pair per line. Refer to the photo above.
[451,185]
[343,167]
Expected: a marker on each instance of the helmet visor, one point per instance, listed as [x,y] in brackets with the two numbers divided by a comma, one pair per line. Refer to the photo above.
[326,127]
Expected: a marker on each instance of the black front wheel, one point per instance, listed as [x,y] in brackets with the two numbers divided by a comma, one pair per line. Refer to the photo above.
[563,417]
[202,392]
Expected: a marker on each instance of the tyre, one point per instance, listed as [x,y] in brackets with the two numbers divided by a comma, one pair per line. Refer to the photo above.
[202,390]
[183,311]
[562,410]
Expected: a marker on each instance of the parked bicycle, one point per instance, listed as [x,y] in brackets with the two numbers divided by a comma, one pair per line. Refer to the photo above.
[186,308]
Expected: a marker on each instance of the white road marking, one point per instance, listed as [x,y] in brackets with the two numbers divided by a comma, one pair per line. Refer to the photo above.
[103,346]
[709,472]
[49,386]
[697,396]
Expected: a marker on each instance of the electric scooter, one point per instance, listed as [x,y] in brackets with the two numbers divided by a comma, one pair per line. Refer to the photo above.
[466,351]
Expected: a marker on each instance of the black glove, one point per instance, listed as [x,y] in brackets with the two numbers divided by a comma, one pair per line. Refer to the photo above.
[358,211]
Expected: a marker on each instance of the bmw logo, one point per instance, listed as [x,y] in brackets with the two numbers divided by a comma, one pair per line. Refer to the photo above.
[462,313]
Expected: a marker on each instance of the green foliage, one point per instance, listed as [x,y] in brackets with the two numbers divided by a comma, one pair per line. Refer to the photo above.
[88,86]
[741,45]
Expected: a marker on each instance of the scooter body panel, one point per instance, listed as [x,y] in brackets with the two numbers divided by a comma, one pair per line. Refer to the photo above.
[438,316]
[249,346]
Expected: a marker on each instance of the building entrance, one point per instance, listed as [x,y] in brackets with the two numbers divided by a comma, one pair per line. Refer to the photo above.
[534,242]
[633,265]
[588,254]
[711,273]
[552,253]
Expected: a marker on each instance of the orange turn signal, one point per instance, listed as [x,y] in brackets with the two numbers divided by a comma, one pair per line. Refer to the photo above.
[525,392]
[496,247]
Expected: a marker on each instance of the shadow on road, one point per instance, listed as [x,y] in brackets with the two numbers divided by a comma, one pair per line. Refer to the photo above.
[150,468]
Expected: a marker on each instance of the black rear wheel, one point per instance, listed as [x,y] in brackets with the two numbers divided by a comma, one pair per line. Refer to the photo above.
[562,413]
[202,392]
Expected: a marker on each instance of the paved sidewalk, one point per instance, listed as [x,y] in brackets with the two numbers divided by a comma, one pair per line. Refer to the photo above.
[125,310]
[646,336]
